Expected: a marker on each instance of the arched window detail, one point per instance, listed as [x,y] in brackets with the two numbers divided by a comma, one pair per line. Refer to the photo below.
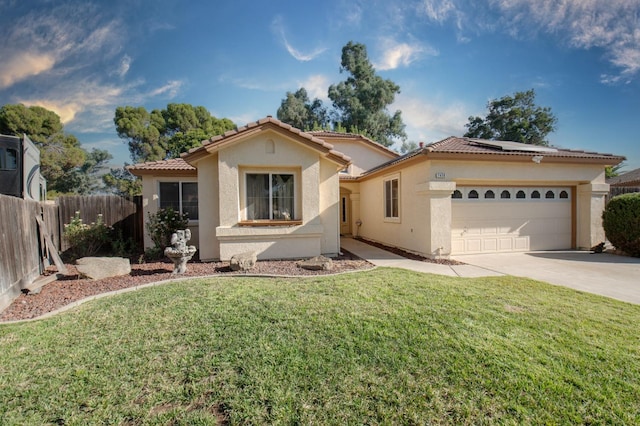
[456,194]
[489,194]
[521,194]
[564,194]
[535,194]
[549,194]
[270,146]
[473,194]
[505,194]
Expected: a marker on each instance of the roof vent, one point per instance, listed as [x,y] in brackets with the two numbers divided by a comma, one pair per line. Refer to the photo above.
[421,144]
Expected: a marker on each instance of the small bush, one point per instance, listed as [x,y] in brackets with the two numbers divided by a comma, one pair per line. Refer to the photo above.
[621,222]
[161,225]
[86,240]
[122,247]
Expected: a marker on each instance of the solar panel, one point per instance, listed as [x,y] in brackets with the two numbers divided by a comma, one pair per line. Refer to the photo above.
[513,146]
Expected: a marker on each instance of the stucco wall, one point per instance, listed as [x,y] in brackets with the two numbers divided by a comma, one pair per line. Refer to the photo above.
[412,230]
[424,225]
[151,204]
[209,207]
[363,156]
[316,189]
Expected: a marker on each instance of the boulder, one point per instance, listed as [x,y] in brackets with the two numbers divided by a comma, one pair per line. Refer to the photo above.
[243,261]
[103,267]
[318,263]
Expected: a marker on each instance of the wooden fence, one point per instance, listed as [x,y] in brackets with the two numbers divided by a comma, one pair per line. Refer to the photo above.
[23,251]
[20,260]
[123,214]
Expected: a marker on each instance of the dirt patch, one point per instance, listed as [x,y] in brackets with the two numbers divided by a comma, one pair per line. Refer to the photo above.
[73,287]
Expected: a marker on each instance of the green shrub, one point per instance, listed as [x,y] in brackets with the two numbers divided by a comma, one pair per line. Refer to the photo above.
[621,222]
[86,240]
[161,225]
[122,247]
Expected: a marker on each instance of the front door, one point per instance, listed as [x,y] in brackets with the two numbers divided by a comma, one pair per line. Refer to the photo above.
[345,214]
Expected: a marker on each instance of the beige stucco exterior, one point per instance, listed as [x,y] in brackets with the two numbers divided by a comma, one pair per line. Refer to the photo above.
[151,203]
[425,205]
[330,201]
[365,156]
[221,189]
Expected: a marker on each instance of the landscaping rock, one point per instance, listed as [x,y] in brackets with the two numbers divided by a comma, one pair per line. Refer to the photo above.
[243,261]
[318,263]
[103,267]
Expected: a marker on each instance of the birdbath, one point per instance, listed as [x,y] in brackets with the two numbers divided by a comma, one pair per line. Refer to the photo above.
[180,253]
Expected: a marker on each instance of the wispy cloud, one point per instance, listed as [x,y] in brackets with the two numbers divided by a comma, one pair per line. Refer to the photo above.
[89,105]
[23,65]
[396,54]
[277,27]
[431,121]
[170,89]
[317,86]
[125,64]
[48,38]
[582,24]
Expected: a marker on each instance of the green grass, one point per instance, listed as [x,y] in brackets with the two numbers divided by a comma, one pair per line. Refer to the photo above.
[381,347]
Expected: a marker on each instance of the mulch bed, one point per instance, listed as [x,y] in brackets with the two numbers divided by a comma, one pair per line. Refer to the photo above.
[409,255]
[73,287]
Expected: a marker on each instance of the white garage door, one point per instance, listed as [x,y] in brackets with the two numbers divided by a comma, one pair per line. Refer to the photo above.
[497,219]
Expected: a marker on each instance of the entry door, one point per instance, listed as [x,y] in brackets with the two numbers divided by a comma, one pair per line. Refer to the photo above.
[345,214]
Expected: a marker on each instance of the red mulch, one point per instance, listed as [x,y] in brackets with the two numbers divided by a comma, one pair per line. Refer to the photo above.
[73,287]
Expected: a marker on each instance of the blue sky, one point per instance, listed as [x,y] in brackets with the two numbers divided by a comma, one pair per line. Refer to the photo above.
[239,58]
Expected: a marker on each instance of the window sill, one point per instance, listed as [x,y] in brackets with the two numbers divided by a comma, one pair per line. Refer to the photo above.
[270,223]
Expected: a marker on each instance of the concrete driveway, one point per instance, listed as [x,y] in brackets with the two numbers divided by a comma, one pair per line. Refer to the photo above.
[604,274]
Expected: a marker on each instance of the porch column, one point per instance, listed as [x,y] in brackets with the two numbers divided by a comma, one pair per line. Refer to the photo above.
[589,207]
[355,213]
[438,217]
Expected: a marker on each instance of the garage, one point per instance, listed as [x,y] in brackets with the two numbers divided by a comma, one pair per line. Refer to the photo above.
[491,219]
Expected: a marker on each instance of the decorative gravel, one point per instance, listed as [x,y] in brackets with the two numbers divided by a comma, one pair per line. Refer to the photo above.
[73,287]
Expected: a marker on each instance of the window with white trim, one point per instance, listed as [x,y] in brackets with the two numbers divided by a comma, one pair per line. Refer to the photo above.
[392,198]
[270,196]
[181,197]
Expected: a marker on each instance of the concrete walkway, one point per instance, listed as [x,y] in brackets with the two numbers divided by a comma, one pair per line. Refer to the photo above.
[604,274]
[381,257]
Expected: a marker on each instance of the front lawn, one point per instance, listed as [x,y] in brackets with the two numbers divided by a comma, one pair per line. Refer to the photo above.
[381,347]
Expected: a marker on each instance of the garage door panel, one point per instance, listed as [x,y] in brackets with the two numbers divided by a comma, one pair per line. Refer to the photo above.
[480,225]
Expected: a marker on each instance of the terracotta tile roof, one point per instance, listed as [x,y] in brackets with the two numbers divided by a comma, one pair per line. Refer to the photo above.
[323,134]
[456,145]
[313,140]
[466,146]
[631,178]
[173,164]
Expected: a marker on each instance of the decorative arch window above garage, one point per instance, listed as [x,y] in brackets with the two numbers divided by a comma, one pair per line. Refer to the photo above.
[515,194]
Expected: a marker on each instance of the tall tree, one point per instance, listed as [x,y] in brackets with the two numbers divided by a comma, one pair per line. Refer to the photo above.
[61,154]
[361,100]
[122,182]
[162,134]
[296,109]
[514,118]
[144,132]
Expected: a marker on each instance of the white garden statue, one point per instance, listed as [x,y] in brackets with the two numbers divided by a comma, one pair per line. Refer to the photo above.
[180,253]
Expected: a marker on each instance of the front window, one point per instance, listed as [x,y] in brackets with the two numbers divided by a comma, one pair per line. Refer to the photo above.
[8,159]
[391,198]
[180,196]
[270,196]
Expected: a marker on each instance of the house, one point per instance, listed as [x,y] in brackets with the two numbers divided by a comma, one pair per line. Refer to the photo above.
[285,193]
[625,183]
